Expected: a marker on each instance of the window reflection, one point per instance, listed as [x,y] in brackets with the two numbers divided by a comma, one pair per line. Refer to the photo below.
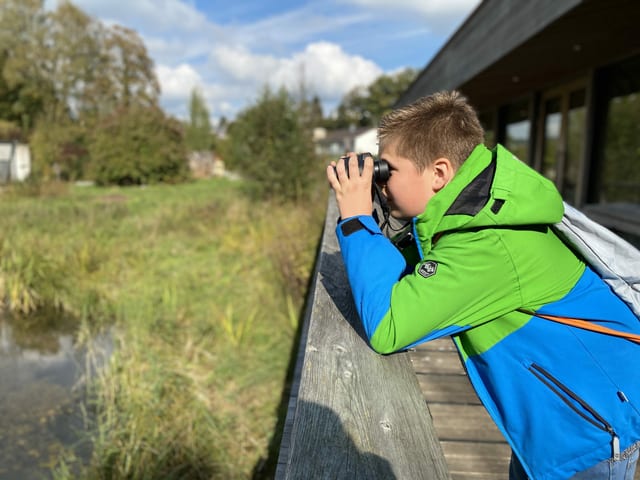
[576,123]
[621,166]
[552,124]
[517,129]
[562,147]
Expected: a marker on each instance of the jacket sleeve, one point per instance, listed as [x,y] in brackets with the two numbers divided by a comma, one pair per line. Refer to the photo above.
[373,266]
[465,281]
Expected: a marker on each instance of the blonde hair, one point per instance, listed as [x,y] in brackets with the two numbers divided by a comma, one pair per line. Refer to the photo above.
[443,124]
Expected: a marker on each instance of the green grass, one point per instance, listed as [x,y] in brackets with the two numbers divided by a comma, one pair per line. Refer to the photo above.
[204,288]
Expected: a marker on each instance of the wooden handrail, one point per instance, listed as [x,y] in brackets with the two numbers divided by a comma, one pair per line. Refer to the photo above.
[352,414]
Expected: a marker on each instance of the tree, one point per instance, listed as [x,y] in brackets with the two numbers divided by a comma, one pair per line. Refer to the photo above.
[130,77]
[366,106]
[23,89]
[269,145]
[198,135]
[63,72]
[72,61]
[138,145]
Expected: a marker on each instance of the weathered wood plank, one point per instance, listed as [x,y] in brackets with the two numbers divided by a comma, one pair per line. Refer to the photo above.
[440,344]
[464,422]
[447,389]
[354,414]
[437,361]
[477,461]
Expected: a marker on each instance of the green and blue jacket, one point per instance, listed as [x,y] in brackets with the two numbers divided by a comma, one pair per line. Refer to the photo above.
[564,398]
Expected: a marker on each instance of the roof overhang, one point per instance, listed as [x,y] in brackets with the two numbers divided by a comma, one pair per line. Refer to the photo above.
[507,49]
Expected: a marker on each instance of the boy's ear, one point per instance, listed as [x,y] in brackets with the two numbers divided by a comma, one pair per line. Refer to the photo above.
[443,172]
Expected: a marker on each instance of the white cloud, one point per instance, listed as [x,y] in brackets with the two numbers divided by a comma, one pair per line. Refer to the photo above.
[242,65]
[323,68]
[174,82]
[331,72]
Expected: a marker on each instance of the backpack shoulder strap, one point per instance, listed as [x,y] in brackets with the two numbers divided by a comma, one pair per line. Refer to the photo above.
[587,325]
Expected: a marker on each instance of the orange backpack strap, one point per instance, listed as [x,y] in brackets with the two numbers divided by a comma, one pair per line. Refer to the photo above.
[587,325]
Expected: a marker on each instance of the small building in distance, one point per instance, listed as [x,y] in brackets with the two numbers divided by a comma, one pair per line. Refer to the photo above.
[206,164]
[338,142]
[15,161]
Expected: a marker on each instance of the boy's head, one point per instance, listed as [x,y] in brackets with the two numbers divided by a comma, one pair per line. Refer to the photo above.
[442,125]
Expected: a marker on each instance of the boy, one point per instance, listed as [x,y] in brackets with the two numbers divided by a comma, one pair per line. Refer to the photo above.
[567,400]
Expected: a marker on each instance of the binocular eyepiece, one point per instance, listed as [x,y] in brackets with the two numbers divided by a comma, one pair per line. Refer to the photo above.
[380,167]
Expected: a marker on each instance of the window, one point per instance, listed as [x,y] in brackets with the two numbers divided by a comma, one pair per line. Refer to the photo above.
[518,129]
[620,175]
[614,193]
[563,121]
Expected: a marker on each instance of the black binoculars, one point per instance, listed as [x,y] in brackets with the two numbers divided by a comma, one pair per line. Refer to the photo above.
[380,167]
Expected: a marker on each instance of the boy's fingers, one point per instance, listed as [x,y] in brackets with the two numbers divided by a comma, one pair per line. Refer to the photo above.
[332,177]
[367,171]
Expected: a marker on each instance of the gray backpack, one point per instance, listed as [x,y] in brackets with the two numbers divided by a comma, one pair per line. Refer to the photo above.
[613,258]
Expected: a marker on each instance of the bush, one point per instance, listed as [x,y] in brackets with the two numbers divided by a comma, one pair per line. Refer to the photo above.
[59,150]
[138,145]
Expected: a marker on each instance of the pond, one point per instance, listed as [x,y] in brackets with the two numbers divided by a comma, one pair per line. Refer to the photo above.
[43,409]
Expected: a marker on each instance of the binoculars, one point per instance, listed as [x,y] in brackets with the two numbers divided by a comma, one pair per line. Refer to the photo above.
[380,167]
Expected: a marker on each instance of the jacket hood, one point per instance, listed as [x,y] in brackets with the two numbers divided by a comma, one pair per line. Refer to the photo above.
[492,188]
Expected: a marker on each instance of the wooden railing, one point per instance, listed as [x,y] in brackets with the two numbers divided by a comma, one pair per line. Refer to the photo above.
[352,414]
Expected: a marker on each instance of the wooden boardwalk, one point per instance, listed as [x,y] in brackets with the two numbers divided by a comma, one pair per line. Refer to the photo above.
[473,446]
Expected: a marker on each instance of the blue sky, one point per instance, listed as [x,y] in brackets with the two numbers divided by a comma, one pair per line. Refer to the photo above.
[231,49]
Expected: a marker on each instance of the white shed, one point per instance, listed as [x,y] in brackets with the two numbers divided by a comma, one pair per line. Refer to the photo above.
[15,162]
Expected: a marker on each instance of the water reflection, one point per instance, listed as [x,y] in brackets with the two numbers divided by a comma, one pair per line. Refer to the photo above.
[42,374]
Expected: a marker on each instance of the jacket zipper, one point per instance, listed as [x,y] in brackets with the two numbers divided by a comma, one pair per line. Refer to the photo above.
[569,397]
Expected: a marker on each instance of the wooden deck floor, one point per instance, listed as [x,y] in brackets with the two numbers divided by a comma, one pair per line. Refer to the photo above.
[473,446]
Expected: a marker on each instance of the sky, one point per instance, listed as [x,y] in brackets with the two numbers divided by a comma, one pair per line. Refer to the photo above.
[231,49]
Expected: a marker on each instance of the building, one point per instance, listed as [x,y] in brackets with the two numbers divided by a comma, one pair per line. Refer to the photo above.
[558,83]
[338,142]
[206,164]
[15,162]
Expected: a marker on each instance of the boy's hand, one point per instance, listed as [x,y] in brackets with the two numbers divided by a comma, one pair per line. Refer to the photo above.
[353,191]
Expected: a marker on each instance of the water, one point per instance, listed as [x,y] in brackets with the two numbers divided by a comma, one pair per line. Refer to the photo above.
[42,396]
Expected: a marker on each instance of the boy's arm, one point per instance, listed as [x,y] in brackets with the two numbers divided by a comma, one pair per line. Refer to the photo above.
[463,282]
[373,266]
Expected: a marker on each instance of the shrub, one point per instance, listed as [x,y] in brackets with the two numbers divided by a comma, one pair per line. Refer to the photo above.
[138,145]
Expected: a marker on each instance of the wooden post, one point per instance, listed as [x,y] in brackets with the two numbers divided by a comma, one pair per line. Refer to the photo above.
[353,414]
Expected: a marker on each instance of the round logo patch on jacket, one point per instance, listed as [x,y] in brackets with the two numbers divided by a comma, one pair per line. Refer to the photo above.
[428,268]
